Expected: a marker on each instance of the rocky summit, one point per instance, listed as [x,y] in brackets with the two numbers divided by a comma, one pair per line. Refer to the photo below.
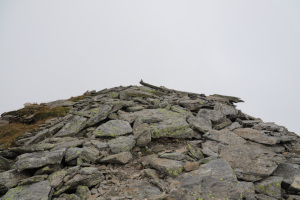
[152,143]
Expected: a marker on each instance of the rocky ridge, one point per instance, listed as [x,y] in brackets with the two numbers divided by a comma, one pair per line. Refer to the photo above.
[154,143]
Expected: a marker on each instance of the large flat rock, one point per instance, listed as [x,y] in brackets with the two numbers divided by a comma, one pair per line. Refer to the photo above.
[113,128]
[35,191]
[251,159]
[214,180]
[40,159]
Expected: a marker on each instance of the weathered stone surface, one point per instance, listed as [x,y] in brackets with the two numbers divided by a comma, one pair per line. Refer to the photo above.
[214,180]
[130,94]
[121,144]
[141,189]
[226,109]
[72,153]
[214,116]
[11,178]
[33,179]
[71,128]
[36,191]
[37,160]
[83,192]
[270,186]
[194,151]
[287,171]
[4,163]
[98,114]
[225,137]
[251,160]
[143,135]
[192,105]
[190,166]
[120,158]
[113,128]
[256,136]
[99,145]
[200,124]
[173,156]
[168,167]
[33,148]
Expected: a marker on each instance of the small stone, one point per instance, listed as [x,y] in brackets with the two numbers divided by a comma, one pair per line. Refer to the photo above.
[190,166]
[113,128]
[120,158]
[83,192]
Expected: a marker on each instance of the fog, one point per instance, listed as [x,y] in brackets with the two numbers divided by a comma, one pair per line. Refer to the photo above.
[53,50]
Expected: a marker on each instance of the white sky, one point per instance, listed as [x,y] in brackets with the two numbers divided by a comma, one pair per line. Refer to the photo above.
[56,49]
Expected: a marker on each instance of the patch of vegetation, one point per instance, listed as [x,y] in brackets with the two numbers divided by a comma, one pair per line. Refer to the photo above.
[78,98]
[27,119]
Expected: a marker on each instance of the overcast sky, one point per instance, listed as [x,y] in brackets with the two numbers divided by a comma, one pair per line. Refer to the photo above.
[52,50]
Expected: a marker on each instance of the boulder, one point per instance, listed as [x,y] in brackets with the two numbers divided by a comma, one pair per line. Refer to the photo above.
[35,191]
[40,159]
[113,128]
[121,144]
[72,127]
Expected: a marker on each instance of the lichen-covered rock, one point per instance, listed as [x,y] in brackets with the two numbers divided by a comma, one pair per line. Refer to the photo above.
[83,192]
[37,160]
[173,156]
[214,116]
[11,178]
[73,153]
[166,166]
[130,94]
[194,151]
[35,191]
[214,180]
[224,136]
[121,144]
[143,135]
[200,124]
[120,158]
[251,159]
[295,186]
[98,114]
[113,128]
[270,186]
[256,136]
[71,128]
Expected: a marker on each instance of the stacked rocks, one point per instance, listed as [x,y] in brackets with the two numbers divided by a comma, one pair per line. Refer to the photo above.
[148,142]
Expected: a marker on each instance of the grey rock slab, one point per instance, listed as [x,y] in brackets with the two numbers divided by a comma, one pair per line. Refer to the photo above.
[194,151]
[264,197]
[88,170]
[270,186]
[234,126]
[5,164]
[224,136]
[226,109]
[214,116]
[11,178]
[120,158]
[287,171]
[73,153]
[271,127]
[37,160]
[251,159]
[35,191]
[32,148]
[173,156]
[90,154]
[166,166]
[113,128]
[99,145]
[141,189]
[200,124]
[181,110]
[143,135]
[214,180]
[33,179]
[83,192]
[293,197]
[73,142]
[192,105]
[121,144]
[38,137]
[130,94]
[72,127]
[256,136]
[98,114]
[247,190]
